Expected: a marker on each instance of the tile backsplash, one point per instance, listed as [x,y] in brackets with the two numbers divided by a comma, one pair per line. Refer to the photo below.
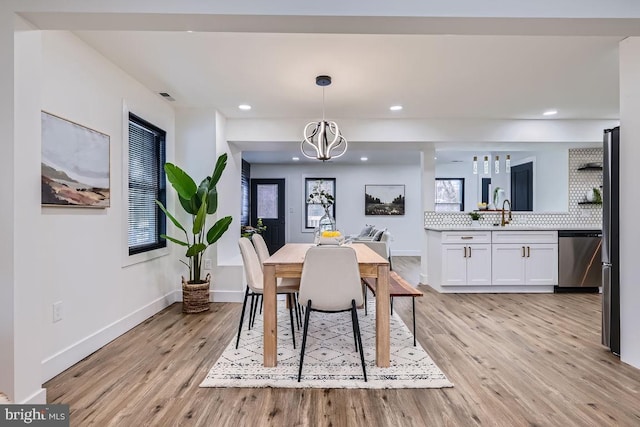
[578,215]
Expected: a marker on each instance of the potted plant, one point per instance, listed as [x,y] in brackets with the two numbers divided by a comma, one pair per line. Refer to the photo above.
[475,217]
[199,201]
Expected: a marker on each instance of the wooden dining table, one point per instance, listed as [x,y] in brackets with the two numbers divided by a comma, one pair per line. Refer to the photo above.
[287,262]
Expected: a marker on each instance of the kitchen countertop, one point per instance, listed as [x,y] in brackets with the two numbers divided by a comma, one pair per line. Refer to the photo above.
[510,227]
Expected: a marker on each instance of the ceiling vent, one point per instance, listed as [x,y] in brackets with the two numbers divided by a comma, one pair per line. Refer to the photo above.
[166,96]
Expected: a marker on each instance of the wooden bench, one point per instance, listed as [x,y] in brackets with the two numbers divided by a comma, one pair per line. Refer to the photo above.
[398,287]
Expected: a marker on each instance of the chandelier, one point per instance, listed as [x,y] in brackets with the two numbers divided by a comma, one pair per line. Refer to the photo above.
[323,140]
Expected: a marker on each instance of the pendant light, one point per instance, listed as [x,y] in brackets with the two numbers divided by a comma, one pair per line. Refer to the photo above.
[323,139]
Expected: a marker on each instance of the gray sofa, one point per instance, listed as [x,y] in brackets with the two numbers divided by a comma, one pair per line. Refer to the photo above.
[378,239]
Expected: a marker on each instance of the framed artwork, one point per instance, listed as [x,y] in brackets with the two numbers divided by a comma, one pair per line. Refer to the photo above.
[314,209]
[75,164]
[384,199]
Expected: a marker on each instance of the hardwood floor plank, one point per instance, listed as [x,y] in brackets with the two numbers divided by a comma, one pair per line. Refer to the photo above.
[514,359]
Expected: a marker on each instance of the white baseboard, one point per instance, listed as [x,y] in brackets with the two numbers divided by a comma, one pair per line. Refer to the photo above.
[37,398]
[395,252]
[226,296]
[55,364]
[525,289]
[424,278]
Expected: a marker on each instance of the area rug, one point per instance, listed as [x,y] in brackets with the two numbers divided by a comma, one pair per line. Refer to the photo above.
[330,358]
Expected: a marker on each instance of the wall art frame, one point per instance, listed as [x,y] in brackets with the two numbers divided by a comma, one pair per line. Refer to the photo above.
[75,164]
[383,200]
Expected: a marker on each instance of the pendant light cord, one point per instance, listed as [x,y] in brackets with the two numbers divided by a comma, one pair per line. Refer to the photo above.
[323,103]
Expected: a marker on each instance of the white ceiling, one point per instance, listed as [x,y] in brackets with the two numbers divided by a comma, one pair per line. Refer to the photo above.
[432,76]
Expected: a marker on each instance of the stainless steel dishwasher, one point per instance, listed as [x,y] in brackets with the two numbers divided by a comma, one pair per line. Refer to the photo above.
[579,260]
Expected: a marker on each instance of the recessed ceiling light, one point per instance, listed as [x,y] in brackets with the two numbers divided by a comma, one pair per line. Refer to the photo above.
[244,107]
[550,112]
[189,31]
[295,159]
[364,159]
[395,108]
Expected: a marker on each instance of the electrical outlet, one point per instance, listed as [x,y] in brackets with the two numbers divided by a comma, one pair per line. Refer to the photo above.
[57,311]
[208,265]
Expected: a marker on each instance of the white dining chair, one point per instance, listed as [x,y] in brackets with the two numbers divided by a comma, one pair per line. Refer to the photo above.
[263,253]
[253,271]
[330,283]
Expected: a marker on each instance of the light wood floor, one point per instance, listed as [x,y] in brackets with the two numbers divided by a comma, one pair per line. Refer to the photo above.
[515,360]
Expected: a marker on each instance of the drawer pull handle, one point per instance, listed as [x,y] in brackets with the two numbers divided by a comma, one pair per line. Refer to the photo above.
[466,237]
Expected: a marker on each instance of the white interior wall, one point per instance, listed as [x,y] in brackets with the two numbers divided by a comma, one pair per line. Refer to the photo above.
[9,375]
[81,250]
[350,183]
[629,206]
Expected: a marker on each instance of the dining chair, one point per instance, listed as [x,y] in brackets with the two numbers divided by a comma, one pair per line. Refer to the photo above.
[253,271]
[330,283]
[263,253]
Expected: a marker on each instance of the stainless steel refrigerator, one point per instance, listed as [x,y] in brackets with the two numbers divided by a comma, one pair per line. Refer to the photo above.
[610,241]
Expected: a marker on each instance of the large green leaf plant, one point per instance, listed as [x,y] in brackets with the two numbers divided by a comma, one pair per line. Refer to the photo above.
[199,201]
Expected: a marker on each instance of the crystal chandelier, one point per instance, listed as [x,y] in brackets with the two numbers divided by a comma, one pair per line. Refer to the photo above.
[323,140]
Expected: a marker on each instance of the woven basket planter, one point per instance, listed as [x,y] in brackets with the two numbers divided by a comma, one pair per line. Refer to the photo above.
[195,297]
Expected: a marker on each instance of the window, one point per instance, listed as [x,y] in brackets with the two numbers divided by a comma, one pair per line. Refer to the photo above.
[245,178]
[146,185]
[449,195]
[315,211]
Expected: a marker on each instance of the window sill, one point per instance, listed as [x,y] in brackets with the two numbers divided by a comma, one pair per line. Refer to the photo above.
[143,257]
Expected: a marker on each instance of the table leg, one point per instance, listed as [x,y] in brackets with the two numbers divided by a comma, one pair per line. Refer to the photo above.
[382,317]
[270,317]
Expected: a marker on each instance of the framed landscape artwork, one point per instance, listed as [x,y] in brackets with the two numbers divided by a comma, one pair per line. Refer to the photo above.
[384,199]
[75,164]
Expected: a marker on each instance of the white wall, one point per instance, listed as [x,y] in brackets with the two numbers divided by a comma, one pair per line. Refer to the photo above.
[629,206]
[81,251]
[350,217]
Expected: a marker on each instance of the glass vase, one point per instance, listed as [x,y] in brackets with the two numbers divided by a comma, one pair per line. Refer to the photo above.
[326,223]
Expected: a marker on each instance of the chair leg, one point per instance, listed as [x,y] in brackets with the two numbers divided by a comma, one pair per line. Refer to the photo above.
[357,328]
[353,325]
[244,305]
[366,291]
[304,337]
[261,302]
[252,312]
[296,307]
[293,328]
[413,303]
[391,299]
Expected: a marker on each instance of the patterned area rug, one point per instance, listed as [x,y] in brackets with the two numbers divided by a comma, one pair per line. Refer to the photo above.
[330,358]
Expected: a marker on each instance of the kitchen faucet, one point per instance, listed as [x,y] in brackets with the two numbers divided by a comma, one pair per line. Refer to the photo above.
[504,221]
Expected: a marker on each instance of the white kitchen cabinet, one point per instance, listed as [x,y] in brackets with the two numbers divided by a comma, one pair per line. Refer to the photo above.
[531,261]
[466,259]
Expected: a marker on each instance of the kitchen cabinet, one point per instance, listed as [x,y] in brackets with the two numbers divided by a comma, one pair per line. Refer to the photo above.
[466,265]
[533,260]
[466,258]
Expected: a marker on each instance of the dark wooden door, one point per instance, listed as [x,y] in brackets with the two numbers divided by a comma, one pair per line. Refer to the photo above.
[267,202]
[522,187]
